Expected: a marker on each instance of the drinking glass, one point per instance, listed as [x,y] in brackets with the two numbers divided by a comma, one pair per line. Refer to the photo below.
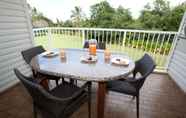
[92,48]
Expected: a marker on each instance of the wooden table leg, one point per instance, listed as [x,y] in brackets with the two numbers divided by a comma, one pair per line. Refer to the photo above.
[44,83]
[101,99]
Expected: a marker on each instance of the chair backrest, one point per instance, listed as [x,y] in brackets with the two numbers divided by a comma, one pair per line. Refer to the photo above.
[99,45]
[30,53]
[145,67]
[39,94]
[86,44]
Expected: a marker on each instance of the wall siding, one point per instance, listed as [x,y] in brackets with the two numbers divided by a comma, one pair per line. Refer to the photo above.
[177,65]
[15,36]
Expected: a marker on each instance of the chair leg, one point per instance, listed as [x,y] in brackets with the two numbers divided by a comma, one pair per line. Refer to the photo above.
[45,84]
[34,111]
[63,80]
[71,81]
[137,105]
[57,82]
[75,82]
[89,101]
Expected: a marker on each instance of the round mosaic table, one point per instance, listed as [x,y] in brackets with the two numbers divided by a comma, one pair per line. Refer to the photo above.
[71,67]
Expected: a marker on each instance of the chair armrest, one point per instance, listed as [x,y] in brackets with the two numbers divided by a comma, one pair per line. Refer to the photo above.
[135,82]
[131,80]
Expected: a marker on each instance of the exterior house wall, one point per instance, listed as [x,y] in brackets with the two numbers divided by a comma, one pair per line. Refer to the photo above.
[15,36]
[177,65]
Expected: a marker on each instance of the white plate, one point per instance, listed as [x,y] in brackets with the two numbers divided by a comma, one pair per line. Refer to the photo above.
[88,58]
[120,61]
[49,54]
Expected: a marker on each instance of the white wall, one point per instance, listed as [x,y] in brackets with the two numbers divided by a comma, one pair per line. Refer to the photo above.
[177,65]
[15,36]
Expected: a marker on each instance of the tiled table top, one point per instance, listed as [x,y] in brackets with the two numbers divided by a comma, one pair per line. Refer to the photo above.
[72,67]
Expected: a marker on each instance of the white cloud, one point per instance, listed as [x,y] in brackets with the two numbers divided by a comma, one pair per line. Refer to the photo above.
[61,9]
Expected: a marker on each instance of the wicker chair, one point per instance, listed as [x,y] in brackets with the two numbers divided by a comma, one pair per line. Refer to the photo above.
[29,54]
[60,102]
[132,85]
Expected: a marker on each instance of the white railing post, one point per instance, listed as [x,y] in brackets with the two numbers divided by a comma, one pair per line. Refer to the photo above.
[83,36]
[49,39]
[124,37]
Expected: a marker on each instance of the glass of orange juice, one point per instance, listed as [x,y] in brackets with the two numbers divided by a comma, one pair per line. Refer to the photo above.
[92,49]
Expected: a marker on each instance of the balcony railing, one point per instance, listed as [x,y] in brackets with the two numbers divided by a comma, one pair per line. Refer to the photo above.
[135,43]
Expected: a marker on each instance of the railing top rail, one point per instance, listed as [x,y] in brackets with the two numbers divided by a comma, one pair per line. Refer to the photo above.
[107,29]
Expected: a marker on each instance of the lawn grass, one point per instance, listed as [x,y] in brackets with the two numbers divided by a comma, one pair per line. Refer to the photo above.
[76,41]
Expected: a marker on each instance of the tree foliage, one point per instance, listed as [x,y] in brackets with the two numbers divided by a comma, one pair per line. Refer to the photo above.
[153,17]
[102,15]
[174,17]
[77,16]
[161,17]
[38,16]
[122,18]
[156,16]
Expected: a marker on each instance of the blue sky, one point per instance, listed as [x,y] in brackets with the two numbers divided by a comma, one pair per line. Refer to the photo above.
[61,9]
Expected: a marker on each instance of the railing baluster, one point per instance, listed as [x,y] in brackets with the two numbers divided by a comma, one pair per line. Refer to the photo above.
[80,43]
[133,51]
[133,38]
[147,42]
[98,34]
[72,39]
[152,41]
[110,39]
[94,34]
[106,39]
[86,35]
[161,56]
[90,34]
[138,40]
[115,41]
[128,43]
[119,41]
[156,44]
[83,36]
[155,48]
[65,35]
[137,54]
[142,44]
[102,36]
[49,39]
[124,38]
[167,44]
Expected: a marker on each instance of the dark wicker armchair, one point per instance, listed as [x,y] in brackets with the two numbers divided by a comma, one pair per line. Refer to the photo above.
[132,85]
[29,54]
[60,102]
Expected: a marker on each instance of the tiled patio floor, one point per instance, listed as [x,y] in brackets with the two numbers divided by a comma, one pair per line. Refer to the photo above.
[160,98]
